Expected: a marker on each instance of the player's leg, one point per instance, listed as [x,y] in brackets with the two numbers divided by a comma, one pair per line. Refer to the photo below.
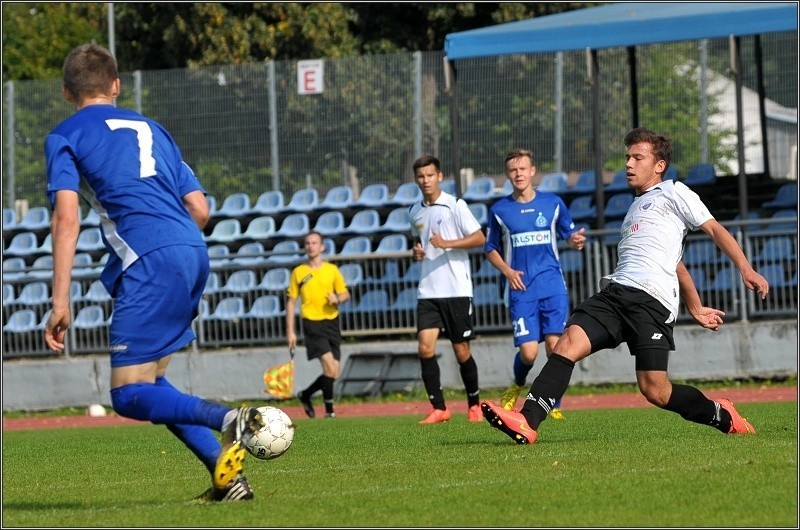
[525,322]
[457,316]
[429,322]
[330,371]
[553,312]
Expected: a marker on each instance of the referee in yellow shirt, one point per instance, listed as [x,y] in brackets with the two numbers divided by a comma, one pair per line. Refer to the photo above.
[321,288]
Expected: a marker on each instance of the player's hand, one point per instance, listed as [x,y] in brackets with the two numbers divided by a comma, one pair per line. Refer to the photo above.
[755,282]
[437,241]
[577,239]
[515,280]
[56,329]
[708,317]
[419,251]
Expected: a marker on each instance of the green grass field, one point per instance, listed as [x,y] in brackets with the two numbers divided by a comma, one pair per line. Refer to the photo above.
[598,468]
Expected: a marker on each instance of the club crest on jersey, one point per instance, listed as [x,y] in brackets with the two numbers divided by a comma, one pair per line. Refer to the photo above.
[646,205]
[541,220]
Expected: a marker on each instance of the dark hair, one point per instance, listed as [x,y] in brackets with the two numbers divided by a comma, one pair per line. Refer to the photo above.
[517,153]
[89,71]
[662,145]
[314,232]
[426,160]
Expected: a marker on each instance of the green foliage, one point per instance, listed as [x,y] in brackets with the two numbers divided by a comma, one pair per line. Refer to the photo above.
[602,468]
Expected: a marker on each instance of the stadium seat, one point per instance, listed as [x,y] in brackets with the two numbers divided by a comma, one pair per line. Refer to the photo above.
[617,205]
[235,205]
[366,221]
[82,265]
[240,281]
[671,174]
[392,243]
[582,208]
[285,251]
[226,231]
[389,277]
[9,296]
[698,275]
[586,182]
[249,255]
[42,268]
[266,306]
[487,294]
[550,183]
[219,255]
[373,300]
[212,205]
[702,174]
[230,308]
[259,229]
[480,211]
[619,182]
[777,249]
[784,220]
[275,280]
[34,293]
[726,279]
[76,291]
[23,244]
[785,197]
[338,198]
[397,221]
[90,317]
[775,275]
[294,225]
[269,202]
[413,273]
[90,219]
[480,190]
[751,216]
[571,260]
[701,252]
[97,293]
[303,200]
[47,245]
[448,186]
[611,237]
[37,218]
[508,188]
[9,219]
[405,300]
[407,194]
[203,309]
[21,321]
[329,247]
[373,196]
[353,274]
[330,223]
[14,268]
[356,245]
[90,240]
[486,271]
[212,283]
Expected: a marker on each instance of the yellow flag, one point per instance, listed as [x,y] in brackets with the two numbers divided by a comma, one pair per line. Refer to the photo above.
[279,380]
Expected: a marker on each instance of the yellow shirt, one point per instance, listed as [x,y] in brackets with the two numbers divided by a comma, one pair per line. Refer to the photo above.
[313,286]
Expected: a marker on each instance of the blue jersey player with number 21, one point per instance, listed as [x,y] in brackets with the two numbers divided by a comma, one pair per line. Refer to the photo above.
[152,210]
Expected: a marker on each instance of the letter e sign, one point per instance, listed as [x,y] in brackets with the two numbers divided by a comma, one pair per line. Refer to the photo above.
[311,76]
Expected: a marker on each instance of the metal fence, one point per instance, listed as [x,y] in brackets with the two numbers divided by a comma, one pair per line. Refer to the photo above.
[245,128]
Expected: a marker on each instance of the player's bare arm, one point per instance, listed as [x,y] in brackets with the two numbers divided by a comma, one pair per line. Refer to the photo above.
[65,227]
[197,206]
[727,244]
[707,317]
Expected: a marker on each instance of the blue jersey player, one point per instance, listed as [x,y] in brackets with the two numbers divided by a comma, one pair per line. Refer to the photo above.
[152,209]
[521,244]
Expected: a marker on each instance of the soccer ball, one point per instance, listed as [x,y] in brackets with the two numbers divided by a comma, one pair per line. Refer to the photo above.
[272,440]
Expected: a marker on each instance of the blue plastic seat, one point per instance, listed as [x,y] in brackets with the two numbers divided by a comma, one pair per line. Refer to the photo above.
[480,211]
[353,274]
[266,306]
[260,229]
[777,249]
[219,255]
[240,281]
[551,183]
[582,208]
[725,279]
[366,221]
[413,273]
[407,194]
[213,283]
[374,300]
[405,300]
[486,271]
[90,240]
[356,245]
[618,205]
[671,174]
[619,182]
[487,294]
[97,293]
[612,237]
[42,268]
[212,205]
[9,219]
[37,218]
[225,231]
[330,223]
[275,280]
[285,251]
[373,196]
[9,296]
[480,190]
[701,252]
[235,205]
[14,268]
[303,200]
[23,244]
[392,243]
[398,220]
[90,317]
[21,321]
[448,186]
[784,220]
[702,174]
[338,198]
[249,254]
[586,182]
[294,225]
[571,260]
[775,275]
[785,197]
[230,308]
[90,219]
[269,202]
[34,293]
[698,275]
